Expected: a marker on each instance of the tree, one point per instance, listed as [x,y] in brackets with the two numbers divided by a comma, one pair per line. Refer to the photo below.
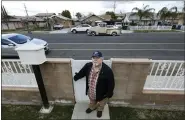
[66,13]
[113,16]
[78,15]
[145,12]
[165,13]
[5,16]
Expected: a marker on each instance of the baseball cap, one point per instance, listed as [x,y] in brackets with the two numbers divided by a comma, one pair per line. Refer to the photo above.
[97,54]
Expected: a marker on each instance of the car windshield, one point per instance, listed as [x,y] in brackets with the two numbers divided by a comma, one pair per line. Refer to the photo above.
[19,39]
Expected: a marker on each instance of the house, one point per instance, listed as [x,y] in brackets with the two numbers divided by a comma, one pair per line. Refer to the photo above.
[134,19]
[59,19]
[11,23]
[18,22]
[120,16]
[181,20]
[91,19]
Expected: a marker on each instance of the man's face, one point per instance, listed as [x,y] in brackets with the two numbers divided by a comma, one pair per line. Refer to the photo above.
[97,61]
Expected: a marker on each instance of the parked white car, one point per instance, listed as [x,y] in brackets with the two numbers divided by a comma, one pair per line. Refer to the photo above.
[58,27]
[118,25]
[14,40]
[81,28]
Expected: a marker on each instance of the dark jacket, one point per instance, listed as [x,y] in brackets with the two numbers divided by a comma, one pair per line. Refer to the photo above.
[105,83]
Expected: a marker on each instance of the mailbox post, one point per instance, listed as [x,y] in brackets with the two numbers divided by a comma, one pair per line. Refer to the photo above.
[35,55]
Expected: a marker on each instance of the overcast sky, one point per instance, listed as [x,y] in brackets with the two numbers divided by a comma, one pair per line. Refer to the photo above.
[85,7]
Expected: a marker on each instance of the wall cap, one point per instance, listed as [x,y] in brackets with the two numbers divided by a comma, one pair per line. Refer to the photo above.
[8,88]
[58,60]
[131,60]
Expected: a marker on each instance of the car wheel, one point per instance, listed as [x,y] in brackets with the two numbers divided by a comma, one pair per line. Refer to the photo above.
[47,51]
[114,33]
[93,33]
[74,31]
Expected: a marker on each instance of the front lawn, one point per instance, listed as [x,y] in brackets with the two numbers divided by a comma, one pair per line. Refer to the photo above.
[30,112]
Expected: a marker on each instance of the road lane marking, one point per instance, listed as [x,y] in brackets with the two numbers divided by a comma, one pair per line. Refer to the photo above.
[108,43]
[124,49]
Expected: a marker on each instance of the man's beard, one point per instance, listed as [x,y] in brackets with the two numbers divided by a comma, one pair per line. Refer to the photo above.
[96,64]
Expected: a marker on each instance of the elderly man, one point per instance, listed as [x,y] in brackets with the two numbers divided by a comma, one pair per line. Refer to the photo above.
[99,82]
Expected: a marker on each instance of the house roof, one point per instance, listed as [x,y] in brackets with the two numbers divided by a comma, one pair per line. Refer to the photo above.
[91,16]
[44,14]
[106,17]
[60,16]
[120,15]
[30,18]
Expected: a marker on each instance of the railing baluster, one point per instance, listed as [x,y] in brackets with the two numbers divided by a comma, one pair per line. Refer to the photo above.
[29,69]
[166,74]
[14,66]
[156,70]
[6,69]
[10,67]
[152,68]
[171,74]
[18,62]
[176,75]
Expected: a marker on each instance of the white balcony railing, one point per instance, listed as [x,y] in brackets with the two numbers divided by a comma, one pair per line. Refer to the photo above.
[166,75]
[15,74]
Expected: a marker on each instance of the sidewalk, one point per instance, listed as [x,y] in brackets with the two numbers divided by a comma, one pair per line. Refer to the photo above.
[126,31]
[63,31]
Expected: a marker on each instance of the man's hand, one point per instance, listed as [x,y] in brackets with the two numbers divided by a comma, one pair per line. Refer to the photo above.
[75,77]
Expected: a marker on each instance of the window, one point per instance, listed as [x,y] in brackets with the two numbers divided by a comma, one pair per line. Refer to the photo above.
[19,39]
[85,25]
[5,42]
[102,25]
[79,26]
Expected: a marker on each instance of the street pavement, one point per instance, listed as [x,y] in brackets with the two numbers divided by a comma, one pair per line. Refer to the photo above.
[157,46]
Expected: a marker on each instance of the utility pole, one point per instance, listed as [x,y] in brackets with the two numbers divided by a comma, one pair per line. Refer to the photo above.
[27,24]
[47,19]
[114,6]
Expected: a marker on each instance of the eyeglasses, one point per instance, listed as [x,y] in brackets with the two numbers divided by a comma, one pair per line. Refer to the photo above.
[95,58]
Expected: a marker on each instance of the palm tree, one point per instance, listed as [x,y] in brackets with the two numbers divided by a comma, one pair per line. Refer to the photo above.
[165,13]
[145,12]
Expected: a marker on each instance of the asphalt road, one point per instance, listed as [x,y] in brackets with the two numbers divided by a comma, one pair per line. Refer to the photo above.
[158,46]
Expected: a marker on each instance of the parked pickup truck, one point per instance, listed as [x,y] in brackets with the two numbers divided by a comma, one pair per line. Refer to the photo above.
[102,28]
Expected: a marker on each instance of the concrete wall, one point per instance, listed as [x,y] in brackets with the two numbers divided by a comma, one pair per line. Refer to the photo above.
[130,76]
[57,76]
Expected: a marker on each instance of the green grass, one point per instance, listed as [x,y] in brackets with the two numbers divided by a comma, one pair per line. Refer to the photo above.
[126,113]
[146,31]
[18,112]
[23,112]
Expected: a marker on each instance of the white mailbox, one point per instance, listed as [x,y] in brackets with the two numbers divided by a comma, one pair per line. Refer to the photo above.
[31,54]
